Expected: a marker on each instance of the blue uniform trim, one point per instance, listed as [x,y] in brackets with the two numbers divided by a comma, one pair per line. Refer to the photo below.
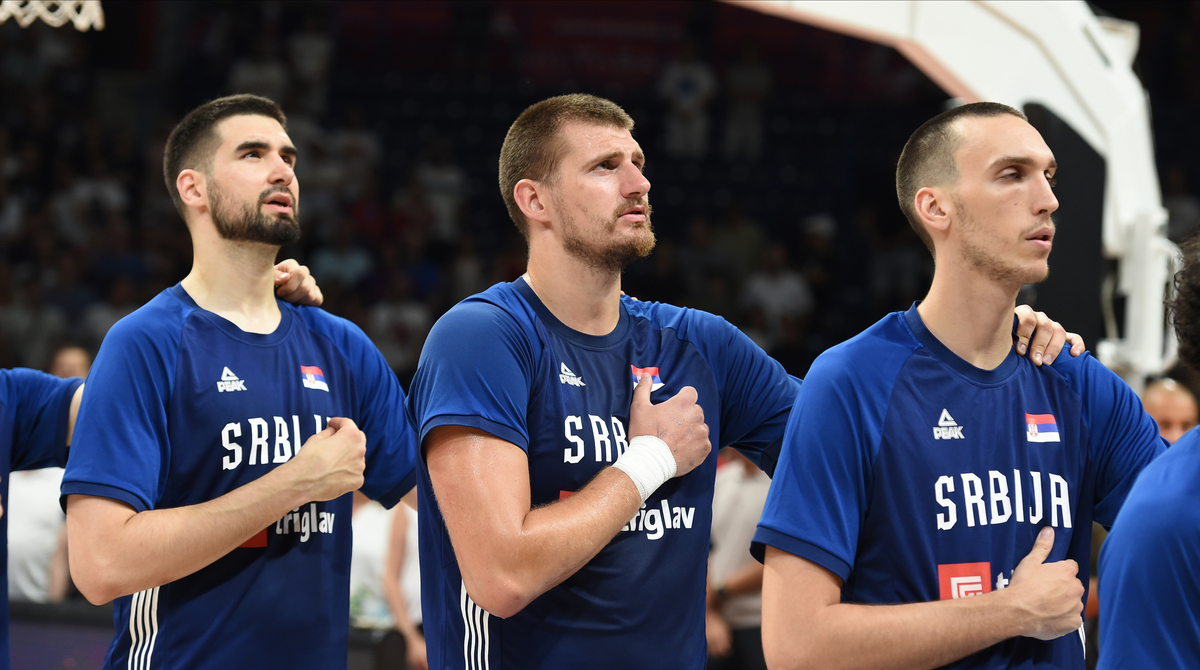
[492,427]
[765,537]
[104,491]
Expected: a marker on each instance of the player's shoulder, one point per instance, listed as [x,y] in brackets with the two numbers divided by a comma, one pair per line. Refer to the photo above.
[877,353]
[499,308]
[688,323]
[1084,374]
[1168,482]
[322,322]
[159,322]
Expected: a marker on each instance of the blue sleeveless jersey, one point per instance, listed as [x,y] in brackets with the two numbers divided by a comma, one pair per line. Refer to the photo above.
[914,476]
[182,407]
[1150,568]
[34,407]
[501,362]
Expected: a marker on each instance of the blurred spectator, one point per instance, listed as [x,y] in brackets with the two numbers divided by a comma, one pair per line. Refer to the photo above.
[12,214]
[468,275]
[734,605]
[687,85]
[37,539]
[32,327]
[398,325]
[402,584]
[445,185]
[739,240]
[310,52]
[747,87]
[260,73]
[357,149]
[119,302]
[778,290]
[1172,405]
[344,263]
[70,361]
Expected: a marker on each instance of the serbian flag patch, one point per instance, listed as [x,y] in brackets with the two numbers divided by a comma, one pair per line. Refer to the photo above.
[657,381]
[312,378]
[1042,428]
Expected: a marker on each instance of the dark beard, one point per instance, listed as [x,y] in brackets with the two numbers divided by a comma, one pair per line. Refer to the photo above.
[250,224]
[611,258]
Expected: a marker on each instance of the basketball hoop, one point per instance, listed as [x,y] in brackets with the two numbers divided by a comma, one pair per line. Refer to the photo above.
[83,14]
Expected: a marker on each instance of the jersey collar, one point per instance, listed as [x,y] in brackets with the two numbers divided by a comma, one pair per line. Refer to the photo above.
[562,330]
[227,327]
[939,350]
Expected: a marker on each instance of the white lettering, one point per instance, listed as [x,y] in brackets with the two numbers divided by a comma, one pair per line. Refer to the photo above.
[999,497]
[283,447]
[577,455]
[258,440]
[1059,499]
[973,499]
[1018,503]
[618,431]
[231,461]
[945,521]
[296,432]
[653,524]
[1037,497]
[600,437]
[685,515]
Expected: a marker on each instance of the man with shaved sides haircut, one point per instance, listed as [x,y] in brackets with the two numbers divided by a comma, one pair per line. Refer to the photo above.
[223,430]
[934,497]
[570,433]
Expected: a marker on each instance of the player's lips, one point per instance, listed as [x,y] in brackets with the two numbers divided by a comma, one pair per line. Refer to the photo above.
[637,213]
[1042,237]
[279,202]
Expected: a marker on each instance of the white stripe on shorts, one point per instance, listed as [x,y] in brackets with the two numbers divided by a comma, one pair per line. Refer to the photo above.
[143,628]
[475,635]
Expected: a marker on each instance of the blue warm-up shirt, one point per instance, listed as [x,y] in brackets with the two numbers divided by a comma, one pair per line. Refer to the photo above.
[182,407]
[914,476]
[501,362]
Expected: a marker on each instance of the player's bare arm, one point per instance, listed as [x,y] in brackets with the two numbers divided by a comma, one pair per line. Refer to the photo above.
[116,551]
[510,554]
[805,624]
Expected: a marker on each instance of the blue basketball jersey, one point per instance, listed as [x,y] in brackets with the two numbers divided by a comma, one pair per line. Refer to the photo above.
[915,476]
[1150,568]
[501,362]
[34,407]
[182,407]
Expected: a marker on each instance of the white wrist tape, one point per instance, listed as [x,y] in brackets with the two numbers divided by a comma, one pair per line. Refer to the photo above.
[648,462]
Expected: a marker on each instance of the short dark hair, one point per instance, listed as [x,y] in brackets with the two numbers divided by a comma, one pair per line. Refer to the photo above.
[194,140]
[1185,305]
[929,159]
[532,148]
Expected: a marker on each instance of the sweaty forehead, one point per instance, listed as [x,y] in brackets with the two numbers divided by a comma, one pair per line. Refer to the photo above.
[985,141]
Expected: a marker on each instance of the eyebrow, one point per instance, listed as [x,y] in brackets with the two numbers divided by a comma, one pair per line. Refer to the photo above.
[287,149]
[637,156]
[1020,160]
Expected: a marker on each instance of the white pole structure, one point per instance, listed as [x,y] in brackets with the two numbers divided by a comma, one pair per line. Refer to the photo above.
[1062,56]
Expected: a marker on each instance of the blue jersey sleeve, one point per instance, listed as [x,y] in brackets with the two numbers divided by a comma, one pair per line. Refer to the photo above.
[476,370]
[39,405]
[121,448]
[821,489]
[1123,439]
[757,394]
[391,446]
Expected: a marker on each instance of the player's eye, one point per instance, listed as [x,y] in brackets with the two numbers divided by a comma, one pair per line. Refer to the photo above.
[1052,180]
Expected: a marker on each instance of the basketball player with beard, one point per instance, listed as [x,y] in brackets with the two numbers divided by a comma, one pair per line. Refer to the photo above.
[223,429]
[561,525]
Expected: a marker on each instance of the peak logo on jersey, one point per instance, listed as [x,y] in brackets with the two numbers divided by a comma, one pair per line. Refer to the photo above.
[656,381]
[963,580]
[947,428]
[312,378]
[230,382]
[567,377]
[1042,428]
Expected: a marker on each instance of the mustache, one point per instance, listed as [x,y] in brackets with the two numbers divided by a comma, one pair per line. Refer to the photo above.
[630,204]
[272,190]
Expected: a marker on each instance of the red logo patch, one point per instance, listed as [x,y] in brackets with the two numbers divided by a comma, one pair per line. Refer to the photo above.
[963,580]
[259,541]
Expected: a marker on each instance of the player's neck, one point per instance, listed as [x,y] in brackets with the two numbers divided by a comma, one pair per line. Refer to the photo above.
[972,315]
[236,281]
[583,299]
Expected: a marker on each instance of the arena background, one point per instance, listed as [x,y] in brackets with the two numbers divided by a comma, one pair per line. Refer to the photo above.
[399,110]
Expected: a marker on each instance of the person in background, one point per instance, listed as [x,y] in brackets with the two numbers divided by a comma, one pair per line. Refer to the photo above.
[733,616]
[1172,405]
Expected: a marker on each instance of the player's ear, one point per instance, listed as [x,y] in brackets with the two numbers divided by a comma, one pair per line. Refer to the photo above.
[933,207]
[533,198]
[193,188]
